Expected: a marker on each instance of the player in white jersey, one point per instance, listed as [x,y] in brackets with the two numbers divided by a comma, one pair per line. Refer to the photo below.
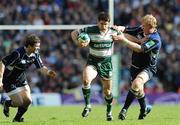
[99,60]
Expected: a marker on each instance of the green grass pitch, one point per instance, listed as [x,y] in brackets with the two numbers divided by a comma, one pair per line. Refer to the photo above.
[71,115]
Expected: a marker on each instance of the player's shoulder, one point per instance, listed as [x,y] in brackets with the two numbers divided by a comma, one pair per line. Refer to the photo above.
[18,52]
[91,29]
[20,49]
[155,36]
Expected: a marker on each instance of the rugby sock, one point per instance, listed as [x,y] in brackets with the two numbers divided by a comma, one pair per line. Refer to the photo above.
[109,103]
[129,99]
[8,103]
[20,113]
[142,103]
[86,93]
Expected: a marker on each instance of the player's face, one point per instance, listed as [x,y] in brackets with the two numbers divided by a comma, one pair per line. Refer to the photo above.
[146,27]
[35,48]
[103,25]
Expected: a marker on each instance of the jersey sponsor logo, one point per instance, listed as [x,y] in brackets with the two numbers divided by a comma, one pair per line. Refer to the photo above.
[149,44]
[102,45]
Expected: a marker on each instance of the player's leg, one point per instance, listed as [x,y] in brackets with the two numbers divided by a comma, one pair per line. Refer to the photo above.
[130,96]
[107,89]
[145,76]
[27,100]
[15,98]
[105,72]
[89,73]
[129,99]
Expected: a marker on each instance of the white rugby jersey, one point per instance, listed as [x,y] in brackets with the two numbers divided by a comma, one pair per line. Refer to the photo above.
[101,44]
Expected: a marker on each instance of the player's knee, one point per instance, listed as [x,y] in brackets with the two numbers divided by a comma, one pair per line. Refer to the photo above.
[107,92]
[27,102]
[138,94]
[86,82]
[136,85]
[141,94]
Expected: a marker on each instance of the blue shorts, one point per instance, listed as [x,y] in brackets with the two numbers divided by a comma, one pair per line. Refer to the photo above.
[135,71]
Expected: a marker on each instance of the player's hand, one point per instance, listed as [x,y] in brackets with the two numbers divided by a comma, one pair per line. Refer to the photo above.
[82,43]
[119,28]
[51,73]
[119,38]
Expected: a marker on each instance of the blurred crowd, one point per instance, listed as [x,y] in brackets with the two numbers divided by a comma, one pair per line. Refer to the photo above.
[61,54]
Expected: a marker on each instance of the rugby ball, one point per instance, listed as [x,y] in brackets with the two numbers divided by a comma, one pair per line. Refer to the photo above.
[83,37]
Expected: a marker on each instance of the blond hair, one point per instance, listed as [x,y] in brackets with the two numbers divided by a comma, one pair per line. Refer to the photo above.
[150,19]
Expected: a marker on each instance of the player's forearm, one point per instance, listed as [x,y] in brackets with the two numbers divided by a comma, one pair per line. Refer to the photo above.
[132,38]
[74,36]
[44,70]
[133,46]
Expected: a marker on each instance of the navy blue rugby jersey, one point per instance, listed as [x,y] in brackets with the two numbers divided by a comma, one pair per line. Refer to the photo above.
[149,57]
[16,64]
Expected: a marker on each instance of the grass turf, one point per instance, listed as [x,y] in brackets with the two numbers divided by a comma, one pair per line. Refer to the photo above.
[71,115]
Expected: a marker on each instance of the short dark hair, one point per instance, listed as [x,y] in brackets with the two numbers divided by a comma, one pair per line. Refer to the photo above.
[103,16]
[31,40]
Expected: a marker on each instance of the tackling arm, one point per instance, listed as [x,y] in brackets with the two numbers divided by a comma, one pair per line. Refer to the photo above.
[132,38]
[130,32]
[130,44]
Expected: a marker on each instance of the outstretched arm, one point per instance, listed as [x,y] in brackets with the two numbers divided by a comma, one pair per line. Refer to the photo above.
[130,32]
[130,44]
[132,38]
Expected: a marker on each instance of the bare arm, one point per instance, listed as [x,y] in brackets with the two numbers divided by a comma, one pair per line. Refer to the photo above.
[132,38]
[74,36]
[2,67]
[45,71]
[130,44]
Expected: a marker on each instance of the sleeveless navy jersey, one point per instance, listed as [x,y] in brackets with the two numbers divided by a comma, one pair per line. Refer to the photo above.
[16,64]
[148,58]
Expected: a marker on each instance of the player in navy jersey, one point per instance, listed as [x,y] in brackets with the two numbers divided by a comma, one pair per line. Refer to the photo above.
[145,42]
[13,77]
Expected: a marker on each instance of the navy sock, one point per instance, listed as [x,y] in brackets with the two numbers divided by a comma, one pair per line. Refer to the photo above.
[129,99]
[8,103]
[142,103]
[20,113]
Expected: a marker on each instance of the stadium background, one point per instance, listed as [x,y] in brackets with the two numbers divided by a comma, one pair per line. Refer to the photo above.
[61,54]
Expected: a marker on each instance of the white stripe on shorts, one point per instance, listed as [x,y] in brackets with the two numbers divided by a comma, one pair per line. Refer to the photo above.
[17,90]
